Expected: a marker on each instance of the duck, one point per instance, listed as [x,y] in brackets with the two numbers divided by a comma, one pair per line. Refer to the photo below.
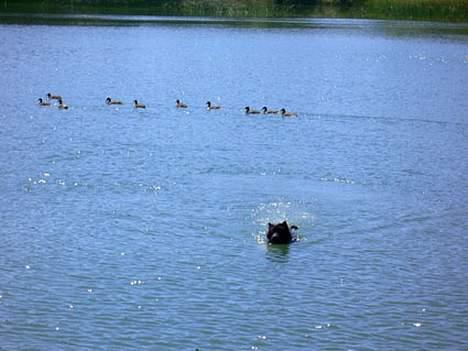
[180,104]
[110,101]
[54,97]
[266,111]
[61,105]
[210,106]
[136,104]
[43,103]
[249,111]
[285,113]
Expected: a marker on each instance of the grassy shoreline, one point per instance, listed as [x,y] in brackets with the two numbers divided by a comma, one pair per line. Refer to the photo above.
[432,10]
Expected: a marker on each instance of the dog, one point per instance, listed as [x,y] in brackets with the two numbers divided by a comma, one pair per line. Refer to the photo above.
[281,233]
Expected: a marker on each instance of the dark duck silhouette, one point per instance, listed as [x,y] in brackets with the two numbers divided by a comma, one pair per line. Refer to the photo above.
[180,104]
[61,105]
[137,104]
[43,103]
[111,101]
[285,113]
[249,111]
[54,97]
[267,111]
[210,106]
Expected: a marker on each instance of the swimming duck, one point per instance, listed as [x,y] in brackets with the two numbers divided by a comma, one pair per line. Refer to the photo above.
[210,106]
[53,97]
[138,105]
[249,111]
[265,110]
[285,113]
[43,103]
[61,105]
[110,101]
[180,104]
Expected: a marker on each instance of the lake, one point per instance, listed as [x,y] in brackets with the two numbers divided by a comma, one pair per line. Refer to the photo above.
[132,229]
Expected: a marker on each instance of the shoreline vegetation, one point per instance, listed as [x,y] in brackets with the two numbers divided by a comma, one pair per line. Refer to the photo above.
[427,10]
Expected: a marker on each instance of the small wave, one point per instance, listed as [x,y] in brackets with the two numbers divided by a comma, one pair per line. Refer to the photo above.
[136,282]
[153,188]
[342,180]
[278,211]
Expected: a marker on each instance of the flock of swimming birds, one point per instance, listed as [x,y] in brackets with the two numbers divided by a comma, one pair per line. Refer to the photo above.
[57,100]
[280,233]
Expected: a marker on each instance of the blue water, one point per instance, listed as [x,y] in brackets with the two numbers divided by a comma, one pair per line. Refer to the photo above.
[145,229]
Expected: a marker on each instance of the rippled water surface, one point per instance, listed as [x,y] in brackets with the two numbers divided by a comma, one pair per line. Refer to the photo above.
[144,229]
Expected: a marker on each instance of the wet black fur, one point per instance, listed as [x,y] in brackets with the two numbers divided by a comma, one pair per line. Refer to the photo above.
[280,233]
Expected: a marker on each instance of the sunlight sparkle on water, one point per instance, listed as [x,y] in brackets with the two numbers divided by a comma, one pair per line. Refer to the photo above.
[371,171]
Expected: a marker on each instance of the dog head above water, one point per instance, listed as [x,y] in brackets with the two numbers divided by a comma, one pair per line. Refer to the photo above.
[280,233]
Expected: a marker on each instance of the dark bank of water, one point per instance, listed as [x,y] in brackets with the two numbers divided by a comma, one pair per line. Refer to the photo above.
[429,10]
[125,229]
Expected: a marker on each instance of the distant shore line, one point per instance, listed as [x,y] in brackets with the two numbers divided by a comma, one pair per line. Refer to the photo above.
[427,10]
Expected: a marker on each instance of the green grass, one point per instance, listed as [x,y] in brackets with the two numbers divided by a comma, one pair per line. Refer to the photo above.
[446,10]
[438,10]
